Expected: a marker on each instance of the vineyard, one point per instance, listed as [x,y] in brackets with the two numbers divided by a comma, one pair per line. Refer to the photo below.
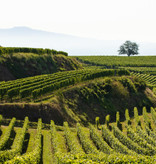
[58,110]
[149,79]
[144,70]
[143,67]
[136,61]
[131,141]
[37,86]
[40,51]
[141,64]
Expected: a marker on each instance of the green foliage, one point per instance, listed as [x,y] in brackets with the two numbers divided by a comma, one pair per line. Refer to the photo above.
[118,61]
[136,117]
[128,121]
[140,141]
[128,142]
[128,84]
[16,148]
[145,136]
[21,65]
[1,117]
[97,122]
[37,86]
[107,120]
[13,92]
[104,159]
[115,147]
[86,143]
[39,51]
[146,117]
[114,142]
[55,142]
[119,125]
[5,138]
[142,70]
[150,133]
[129,48]
[153,113]
[142,78]
[34,156]
[99,142]
[71,141]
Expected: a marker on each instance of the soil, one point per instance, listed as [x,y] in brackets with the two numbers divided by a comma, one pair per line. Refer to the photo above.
[5,74]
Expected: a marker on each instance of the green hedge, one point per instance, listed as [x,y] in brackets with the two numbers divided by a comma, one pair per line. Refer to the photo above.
[40,51]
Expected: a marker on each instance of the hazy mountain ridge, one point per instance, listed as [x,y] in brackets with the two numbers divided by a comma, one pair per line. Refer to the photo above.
[27,37]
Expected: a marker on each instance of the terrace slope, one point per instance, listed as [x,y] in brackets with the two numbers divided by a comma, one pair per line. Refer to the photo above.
[85,101]
[20,65]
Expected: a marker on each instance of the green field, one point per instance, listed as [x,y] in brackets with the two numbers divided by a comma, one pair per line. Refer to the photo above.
[110,61]
[142,64]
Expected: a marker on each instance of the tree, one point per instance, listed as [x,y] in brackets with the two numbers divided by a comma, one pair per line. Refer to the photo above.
[129,48]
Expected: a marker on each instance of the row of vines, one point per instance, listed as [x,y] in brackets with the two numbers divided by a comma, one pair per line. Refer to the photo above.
[149,79]
[37,86]
[131,141]
[40,51]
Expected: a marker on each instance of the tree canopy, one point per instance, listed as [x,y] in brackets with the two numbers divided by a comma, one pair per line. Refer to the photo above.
[129,48]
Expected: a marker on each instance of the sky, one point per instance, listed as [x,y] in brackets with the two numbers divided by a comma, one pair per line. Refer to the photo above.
[101,19]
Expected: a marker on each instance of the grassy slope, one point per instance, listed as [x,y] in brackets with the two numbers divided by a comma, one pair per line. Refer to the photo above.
[102,97]
[84,101]
[19,65]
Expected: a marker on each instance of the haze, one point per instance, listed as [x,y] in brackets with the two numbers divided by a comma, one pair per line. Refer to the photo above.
[101,19]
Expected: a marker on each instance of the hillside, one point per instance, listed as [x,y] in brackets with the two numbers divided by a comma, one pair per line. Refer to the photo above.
[83,101]
[75,96]
[20,65]
[77,116]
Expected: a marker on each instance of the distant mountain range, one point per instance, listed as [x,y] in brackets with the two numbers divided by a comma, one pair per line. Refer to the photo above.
[27,37]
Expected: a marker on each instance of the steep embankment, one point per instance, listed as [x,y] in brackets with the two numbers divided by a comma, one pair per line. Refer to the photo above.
[105,96]
[20,65]
[85,101]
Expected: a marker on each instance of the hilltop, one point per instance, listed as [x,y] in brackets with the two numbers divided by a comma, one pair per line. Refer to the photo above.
[22,64]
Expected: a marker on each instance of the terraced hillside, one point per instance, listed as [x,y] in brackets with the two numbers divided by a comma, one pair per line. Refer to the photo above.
[36,86]
[149,79]
[74,99]
[131,141]
[74,96]
[18,63]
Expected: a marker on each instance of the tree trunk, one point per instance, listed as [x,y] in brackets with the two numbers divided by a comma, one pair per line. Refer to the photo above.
[128,54]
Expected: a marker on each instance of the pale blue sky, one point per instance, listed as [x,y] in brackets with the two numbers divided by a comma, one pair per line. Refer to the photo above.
[103,19]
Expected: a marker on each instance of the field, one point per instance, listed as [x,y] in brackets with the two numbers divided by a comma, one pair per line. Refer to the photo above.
[59,109]
[119,142]
[133,61]
[142,64]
